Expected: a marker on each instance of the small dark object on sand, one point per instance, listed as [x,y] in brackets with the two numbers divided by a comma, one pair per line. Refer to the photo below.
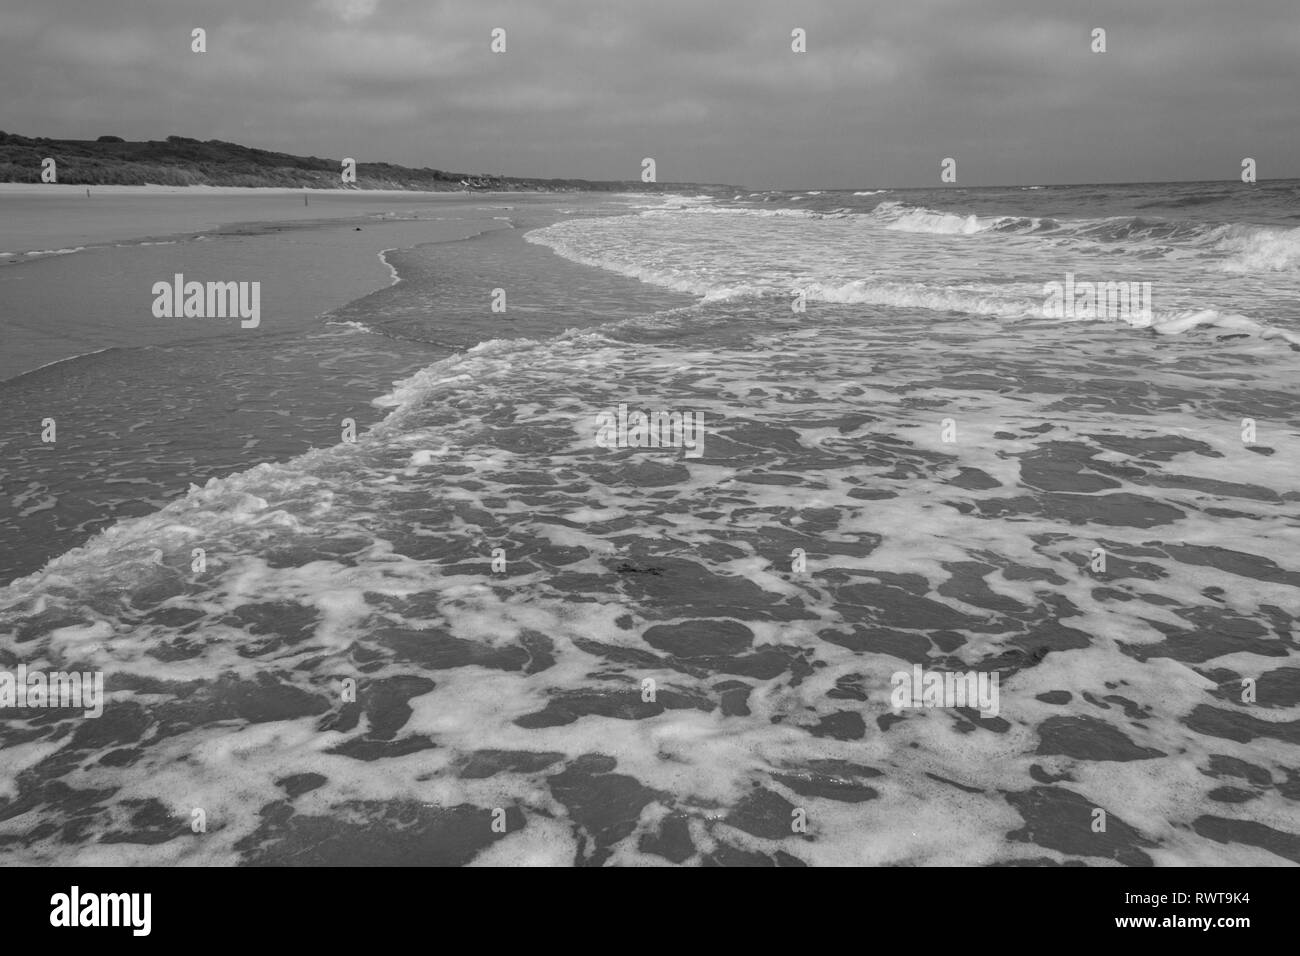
[626,568]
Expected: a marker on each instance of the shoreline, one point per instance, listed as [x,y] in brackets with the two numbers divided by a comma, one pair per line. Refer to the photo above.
[363,361]
[89,288]
[381,255]
[155,189]
[48,220]
[244,228]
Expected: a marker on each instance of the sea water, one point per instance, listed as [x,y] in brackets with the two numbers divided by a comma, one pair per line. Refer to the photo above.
[477,634]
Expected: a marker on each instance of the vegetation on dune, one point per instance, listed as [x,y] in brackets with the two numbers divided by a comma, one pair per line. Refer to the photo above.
[178,161]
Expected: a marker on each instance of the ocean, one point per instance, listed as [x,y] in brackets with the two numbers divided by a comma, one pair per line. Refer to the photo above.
[1047,437]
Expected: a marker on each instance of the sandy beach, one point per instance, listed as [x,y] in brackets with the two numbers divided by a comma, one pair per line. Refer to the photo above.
[85,286]
[52,217]
[80,334]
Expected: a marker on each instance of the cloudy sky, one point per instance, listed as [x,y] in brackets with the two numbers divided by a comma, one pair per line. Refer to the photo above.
[709,88]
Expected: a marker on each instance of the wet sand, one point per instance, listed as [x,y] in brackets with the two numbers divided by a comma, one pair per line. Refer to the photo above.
[59,305]
[52,216]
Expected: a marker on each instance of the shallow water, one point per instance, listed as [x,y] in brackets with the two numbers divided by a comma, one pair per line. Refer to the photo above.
[947,477]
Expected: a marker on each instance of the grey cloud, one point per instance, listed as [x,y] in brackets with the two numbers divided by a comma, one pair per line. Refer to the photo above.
[711,90]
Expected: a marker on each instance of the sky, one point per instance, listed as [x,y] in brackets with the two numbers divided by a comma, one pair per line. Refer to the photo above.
[710,89]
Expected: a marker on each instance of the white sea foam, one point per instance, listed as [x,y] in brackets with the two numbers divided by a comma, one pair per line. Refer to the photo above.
[797,381]
[56,252]
[914,257]
[351,324]
[1260,250]
[358,537]
[383,257]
